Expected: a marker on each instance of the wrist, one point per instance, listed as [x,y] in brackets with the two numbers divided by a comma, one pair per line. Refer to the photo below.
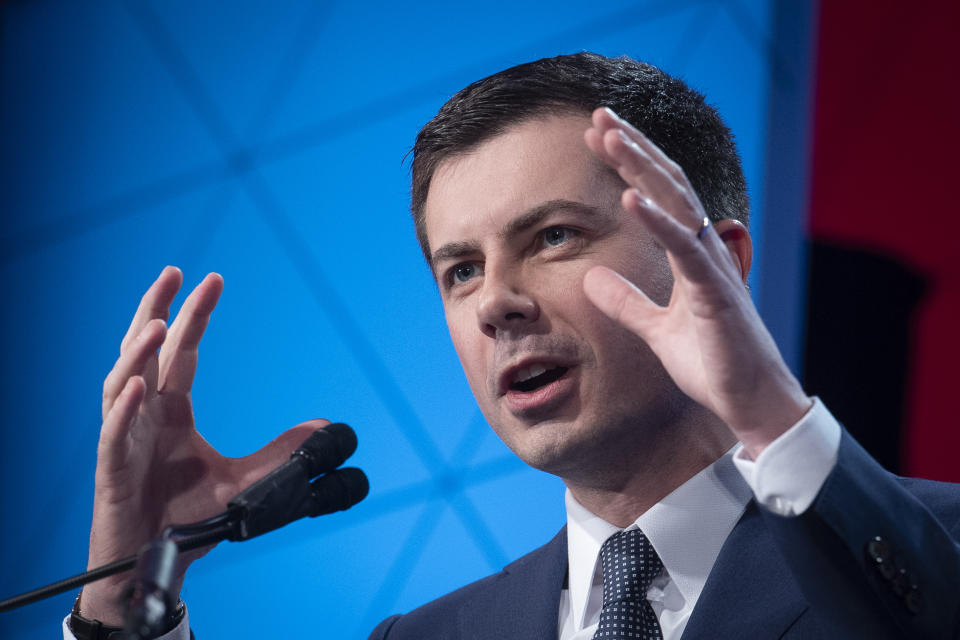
[776,421]
[85,628]
[101,601]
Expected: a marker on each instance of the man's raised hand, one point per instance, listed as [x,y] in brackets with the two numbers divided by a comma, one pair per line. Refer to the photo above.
[709,336]
[153,468]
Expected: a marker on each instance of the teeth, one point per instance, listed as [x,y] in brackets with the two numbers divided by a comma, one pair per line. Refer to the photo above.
[529,372]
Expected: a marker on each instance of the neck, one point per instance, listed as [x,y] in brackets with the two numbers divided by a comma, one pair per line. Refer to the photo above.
[641,473]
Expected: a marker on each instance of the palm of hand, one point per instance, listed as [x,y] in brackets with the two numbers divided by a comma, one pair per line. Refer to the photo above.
[732,351]
[153,467]
[709,337]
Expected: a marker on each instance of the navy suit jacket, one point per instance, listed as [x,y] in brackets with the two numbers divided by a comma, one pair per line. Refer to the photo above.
[876,556]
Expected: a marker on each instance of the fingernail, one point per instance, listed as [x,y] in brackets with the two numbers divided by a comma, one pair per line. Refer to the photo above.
[613,114]
[642,199]
[623,136]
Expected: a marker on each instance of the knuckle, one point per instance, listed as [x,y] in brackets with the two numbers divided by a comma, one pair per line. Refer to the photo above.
[108,388]
[105,407]
[621,306]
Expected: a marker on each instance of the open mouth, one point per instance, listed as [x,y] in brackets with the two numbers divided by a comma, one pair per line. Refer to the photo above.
[536,377]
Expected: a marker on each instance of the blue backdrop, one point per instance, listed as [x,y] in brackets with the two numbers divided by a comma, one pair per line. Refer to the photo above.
[265,141]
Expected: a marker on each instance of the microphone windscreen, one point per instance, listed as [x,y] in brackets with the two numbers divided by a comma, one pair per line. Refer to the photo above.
[327,448]
[338,490]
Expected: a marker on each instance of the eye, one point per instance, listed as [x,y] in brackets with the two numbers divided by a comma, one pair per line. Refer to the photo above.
[465,271]
[555,236]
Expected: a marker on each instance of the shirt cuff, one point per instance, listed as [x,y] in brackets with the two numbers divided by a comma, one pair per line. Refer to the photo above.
[788,474]
[179,632]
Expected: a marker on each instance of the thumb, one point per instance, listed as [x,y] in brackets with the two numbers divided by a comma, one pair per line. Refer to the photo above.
[620,300]
[255,466]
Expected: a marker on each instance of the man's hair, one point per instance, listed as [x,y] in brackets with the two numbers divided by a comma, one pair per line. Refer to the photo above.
[672,115]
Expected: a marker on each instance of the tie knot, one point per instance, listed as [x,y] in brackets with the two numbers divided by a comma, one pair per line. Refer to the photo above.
[629,564]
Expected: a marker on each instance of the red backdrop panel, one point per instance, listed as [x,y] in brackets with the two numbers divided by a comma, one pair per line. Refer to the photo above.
[884,178]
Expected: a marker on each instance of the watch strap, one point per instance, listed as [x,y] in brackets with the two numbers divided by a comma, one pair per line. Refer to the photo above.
[86,629]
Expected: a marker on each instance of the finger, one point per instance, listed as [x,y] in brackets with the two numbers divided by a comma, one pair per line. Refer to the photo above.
[114,444]
[138,359]
[638,169]
[620,300]
[629,161]
[178,358]
[601,124]
[155,302]
[692,257]
[606,118]
[703,243]
[642,164]
[593,137]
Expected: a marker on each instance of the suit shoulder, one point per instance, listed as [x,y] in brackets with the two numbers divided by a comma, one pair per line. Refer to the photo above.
[441,617]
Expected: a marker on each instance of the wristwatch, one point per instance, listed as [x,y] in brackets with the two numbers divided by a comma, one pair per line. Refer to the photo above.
[85,629]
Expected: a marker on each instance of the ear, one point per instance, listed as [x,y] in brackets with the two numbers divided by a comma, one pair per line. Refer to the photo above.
[737,240]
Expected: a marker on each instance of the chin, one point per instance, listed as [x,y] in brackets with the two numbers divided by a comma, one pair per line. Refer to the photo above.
[557,448]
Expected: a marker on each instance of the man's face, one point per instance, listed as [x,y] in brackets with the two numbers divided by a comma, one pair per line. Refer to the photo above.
[513,227]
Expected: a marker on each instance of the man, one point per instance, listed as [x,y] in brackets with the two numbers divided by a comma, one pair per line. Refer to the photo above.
[593,281]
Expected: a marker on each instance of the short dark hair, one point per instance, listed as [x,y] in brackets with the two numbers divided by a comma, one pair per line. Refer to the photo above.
[675,117]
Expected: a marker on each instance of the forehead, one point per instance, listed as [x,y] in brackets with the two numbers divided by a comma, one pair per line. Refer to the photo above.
[474,194]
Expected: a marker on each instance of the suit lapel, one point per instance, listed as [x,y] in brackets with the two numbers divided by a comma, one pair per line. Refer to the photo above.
[525,602]
[750,592]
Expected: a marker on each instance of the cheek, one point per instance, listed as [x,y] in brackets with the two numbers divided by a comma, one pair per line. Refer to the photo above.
[466,341]
[649,270]
[608,346]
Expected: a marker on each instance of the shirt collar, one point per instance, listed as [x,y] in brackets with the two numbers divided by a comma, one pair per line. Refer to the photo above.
[687,529]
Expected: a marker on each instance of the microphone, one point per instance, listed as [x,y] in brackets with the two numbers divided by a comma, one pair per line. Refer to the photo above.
[286,493]
[148,595]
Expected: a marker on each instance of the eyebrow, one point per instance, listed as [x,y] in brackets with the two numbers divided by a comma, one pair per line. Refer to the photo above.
[521,223]
[453,250]
[534,216]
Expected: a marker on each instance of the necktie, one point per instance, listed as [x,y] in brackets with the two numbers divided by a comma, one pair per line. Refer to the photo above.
[629,565]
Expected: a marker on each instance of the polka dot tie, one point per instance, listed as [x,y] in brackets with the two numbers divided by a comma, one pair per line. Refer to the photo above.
[629,566]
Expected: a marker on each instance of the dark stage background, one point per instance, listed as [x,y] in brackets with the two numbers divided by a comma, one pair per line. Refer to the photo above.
[266,142]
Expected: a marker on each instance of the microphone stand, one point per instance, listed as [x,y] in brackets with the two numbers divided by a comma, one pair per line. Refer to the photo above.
[192,536]
[282,496]
[148,598]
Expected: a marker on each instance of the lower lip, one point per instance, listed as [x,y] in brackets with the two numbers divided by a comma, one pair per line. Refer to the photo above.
[546,398]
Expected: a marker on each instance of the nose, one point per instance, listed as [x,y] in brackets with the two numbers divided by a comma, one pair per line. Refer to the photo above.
[504,306]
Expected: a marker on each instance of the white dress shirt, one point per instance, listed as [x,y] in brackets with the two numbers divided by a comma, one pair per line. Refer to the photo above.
[688,527]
